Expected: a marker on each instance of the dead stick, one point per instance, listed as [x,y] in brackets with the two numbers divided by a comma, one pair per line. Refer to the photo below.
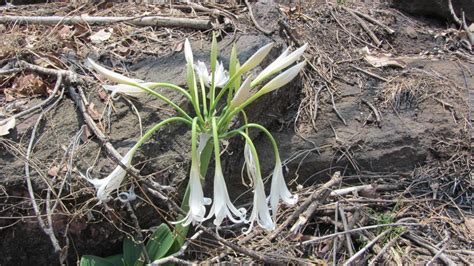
[461,22]
[200,24]
[373,261]
[48,229]
[453,14]
[470,36]
[364,26]
[273,259]
[364,249]
[260,28]
[376,112]
[373,20]
[309,206]
[346,227]
[432,249]
[370,73]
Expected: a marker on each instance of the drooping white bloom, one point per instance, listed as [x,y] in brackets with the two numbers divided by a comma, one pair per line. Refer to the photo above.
[256,58]
[126,89]
[242,94]
[197,201]
[221,75]
[109,74]
[112,182]
[282,79]
[279,190]
[222,207]
[280,63]
[260,211]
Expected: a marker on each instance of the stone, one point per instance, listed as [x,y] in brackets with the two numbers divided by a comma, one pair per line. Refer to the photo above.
[436,8]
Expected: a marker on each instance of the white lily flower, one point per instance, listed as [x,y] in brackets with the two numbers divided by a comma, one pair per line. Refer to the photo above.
[260,211]
[256,58]
[197,201]
[279,189]
[282,79]
[222,207]
[221,76]
[112,182]
[126,89]
[109,74]
[188,52]
[280,63]
[242,93]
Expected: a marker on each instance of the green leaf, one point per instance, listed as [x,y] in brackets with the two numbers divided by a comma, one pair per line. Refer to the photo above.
[117,260]
[131,251]
[160,242]
[214,52]
[89,260]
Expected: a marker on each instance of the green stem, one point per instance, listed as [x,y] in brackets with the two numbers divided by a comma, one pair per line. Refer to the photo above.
[157,126]
[204,100]
[168,101]
[259,127]
[172,87]
[216,143]
[252,149]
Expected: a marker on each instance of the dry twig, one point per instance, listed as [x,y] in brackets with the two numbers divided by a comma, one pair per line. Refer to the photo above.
[199,24]
[47,228]
[260,28]
[364,26]
[306,210]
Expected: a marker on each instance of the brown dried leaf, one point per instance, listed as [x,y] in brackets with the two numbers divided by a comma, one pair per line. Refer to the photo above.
[469,222]
[65,32]
[53,171]
[93,112]
[86,133]
[29,85]
[103,95]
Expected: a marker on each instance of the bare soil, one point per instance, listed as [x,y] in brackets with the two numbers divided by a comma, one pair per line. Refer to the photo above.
[406,131]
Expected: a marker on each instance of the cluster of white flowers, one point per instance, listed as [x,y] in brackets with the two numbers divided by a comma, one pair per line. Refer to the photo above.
[208,126]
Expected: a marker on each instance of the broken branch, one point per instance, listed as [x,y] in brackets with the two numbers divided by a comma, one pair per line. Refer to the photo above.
[200,24]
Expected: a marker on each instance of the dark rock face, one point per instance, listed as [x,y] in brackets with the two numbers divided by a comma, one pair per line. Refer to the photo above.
[436,8]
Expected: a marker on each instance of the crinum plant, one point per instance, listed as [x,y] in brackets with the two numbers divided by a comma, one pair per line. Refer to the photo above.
[217,98]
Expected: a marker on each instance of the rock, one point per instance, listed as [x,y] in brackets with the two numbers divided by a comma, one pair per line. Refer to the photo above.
[436,8]
[410,32]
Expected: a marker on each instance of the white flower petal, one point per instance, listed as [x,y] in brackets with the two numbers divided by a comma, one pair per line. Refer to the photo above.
[197,201]
[256,58]
[242,94]
[201,71]
[279,190]
[260,212]
[221,76]
[282,79]
[188,52]
[222,206]
[280,63]
[116,77]
[113,181]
